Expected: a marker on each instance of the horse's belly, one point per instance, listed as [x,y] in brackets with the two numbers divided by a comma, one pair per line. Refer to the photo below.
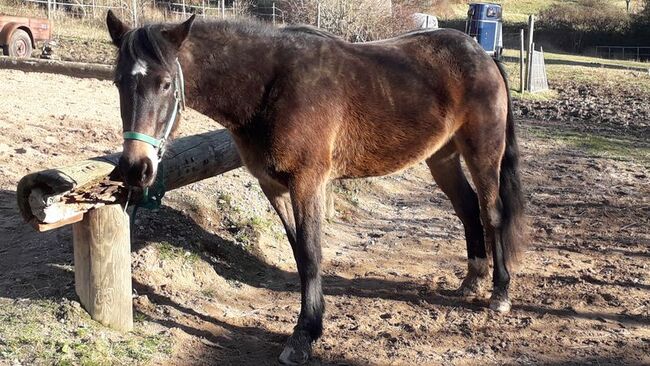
[368,159]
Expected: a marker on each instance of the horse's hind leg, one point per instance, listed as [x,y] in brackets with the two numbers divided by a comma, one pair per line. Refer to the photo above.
[446,170]
[482,146]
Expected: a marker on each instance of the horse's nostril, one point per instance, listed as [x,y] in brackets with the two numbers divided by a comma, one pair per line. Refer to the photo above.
[147,172]
[144,171]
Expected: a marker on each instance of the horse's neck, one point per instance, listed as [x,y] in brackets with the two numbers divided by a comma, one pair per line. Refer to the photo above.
[228,75]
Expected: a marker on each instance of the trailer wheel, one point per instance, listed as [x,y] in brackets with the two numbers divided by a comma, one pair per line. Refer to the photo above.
[20,44]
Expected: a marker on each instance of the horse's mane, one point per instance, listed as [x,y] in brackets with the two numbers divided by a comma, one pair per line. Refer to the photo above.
[311,30]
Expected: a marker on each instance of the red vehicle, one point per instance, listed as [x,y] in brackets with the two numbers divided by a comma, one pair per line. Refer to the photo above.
[19,35]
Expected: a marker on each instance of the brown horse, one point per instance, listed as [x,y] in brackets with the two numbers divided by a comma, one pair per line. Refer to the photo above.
[305,107]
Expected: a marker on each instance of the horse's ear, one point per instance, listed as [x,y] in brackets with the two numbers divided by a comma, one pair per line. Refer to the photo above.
[177,34]
[116,28]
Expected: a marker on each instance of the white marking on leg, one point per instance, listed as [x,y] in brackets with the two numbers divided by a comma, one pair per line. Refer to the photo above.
[139,68]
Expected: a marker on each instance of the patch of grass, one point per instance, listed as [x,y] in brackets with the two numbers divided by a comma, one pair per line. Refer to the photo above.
[169,252]
[517,11]
[46,332]
[542,95]
[608,147]
[349,190]
[597,76]
[209,292]
[224,199]
[260,223]
[581,60]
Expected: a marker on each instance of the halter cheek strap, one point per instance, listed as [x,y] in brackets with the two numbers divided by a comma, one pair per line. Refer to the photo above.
[179,105]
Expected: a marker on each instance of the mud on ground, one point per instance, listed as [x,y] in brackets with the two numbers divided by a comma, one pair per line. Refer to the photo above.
[214,278]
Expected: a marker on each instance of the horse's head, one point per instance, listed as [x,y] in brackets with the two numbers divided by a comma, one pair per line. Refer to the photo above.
[150,82]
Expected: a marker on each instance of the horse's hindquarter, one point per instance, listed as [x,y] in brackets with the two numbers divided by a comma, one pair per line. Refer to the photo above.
[405,101]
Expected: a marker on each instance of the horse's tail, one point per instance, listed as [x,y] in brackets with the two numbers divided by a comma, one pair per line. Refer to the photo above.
[513,222]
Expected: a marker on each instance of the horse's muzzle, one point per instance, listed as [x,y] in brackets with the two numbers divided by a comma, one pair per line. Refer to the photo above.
[138,173]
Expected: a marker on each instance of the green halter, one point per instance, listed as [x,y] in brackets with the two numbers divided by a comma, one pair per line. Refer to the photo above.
[179,96]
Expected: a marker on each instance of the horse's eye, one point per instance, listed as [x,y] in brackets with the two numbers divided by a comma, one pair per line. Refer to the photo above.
[166,85]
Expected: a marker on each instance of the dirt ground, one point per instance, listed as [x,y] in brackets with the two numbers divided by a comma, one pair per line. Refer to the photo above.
[214,279]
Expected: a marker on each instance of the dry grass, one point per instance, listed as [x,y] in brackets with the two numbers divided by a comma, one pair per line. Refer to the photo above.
[516,11]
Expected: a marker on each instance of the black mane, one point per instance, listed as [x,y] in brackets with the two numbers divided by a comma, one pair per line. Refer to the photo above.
[311,30]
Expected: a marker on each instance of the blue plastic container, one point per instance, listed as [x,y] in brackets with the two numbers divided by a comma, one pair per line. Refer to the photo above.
[484,23]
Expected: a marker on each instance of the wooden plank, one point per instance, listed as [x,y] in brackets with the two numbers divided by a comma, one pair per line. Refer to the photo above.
[102,261]
[41,227]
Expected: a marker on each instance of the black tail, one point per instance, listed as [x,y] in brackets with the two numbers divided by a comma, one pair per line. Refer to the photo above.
[513,222]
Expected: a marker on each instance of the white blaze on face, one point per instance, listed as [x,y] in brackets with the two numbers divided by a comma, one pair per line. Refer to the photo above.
[139,68]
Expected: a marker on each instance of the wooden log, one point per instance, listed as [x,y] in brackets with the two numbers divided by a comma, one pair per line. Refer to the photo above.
[74,69]
[52,196]
[102,266]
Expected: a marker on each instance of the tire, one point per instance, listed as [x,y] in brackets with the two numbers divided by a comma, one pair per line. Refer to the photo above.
[20,44]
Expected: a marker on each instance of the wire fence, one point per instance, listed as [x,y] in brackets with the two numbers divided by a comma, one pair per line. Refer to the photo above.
[624,53]
[139,11]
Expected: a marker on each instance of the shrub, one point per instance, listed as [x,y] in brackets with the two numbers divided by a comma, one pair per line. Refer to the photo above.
[356,21]
[586,18]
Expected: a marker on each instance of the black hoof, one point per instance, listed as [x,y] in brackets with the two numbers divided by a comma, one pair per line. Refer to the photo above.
[297,350]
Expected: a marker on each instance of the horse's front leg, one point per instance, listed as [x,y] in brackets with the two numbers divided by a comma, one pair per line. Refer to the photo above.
[307,196]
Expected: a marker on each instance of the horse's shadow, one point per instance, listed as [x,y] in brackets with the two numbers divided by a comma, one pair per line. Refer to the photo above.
[37,265]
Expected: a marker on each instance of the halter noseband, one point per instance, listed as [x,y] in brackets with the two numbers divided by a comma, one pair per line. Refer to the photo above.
[179,105]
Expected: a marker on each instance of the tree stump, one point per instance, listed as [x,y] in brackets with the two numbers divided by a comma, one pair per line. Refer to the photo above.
[102,266]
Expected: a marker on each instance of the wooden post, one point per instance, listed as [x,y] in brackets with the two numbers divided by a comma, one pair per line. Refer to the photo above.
[318,16]
[529,61]
[521,62]
[274,13]
[223,9]
[134,11]
[102,266]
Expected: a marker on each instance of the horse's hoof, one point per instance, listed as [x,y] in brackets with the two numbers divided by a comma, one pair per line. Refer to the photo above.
[500,305]
[297,351]
[471,287]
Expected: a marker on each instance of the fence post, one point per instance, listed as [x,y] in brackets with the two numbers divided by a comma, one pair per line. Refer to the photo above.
[529,63]
[102,266]
[318,16]
[203,8]
[49,9]
[521,61]
[273,13]
[134,11]
[223,9]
